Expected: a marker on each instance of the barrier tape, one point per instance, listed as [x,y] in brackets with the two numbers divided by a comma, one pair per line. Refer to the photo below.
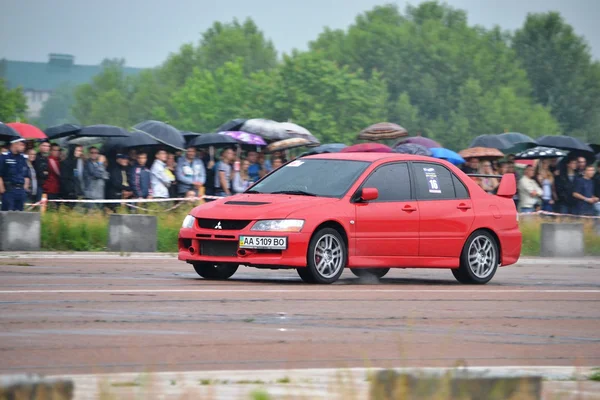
[540,212]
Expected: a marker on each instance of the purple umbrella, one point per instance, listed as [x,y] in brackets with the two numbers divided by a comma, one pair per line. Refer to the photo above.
[420,140]
[245,137]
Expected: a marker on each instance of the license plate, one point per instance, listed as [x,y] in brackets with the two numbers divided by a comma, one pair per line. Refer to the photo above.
[263,242]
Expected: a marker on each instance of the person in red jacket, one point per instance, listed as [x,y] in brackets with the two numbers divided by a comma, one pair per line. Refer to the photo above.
[52,185]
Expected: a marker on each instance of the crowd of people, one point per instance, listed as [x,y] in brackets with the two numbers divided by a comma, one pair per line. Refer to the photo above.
[567,186]
[76,174]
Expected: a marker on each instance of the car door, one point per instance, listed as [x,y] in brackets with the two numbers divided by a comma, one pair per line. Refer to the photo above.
[388,228]
[445,208]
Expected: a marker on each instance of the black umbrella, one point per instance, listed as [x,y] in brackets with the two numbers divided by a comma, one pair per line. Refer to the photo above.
[233,125]
[595,147]
[266,128]
[519,141]
[325,148]
[565,143]
[213,139]
[412,148]
[540,152]
[134,140]
[64,130]
[188,136]
[164,133]
[7,133]
[491,141]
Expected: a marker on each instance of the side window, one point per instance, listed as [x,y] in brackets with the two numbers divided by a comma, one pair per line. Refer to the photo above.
[460,188]
[434,182]
[392,181]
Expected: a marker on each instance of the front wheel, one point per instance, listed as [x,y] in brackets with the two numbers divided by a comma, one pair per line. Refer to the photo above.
[479,259]
[326,258]
[215,271]
[368,272]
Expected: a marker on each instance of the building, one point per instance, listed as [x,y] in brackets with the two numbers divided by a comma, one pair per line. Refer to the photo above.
[39,79]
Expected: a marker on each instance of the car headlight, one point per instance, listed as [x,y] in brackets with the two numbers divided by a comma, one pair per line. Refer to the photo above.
[188,222]
[278,225]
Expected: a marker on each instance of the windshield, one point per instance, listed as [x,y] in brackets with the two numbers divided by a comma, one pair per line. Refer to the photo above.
[312,177]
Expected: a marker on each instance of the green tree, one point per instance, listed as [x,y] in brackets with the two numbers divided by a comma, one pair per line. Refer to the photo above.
[13,104]
[57,109]
[563,76]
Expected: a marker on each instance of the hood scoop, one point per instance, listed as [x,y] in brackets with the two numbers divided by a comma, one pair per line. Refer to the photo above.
[246,203]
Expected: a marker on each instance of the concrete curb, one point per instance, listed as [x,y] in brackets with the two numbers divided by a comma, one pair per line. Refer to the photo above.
[35,387]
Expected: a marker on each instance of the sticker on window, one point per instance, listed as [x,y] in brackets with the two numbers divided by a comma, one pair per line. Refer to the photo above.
[432,180]
[296,163]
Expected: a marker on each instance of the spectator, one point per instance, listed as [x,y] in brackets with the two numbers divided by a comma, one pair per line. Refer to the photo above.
[471,166]
[95,176]
[585,194]
[581,165]
[140,177]
[565,186]
[597,188]
[241,177]
[52,182]
[41,168]
[529,191]
[118,184]
[488,184]
[14,177]
[254,168]
[33,187]
[223,173]
[277,162]
[70,183]
[161,178]
[545,179]
[191,174]
[172,171]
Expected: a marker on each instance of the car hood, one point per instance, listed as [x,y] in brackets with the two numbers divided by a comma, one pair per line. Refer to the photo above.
[258,206]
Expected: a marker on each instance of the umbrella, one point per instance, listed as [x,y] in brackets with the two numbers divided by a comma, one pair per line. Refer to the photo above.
[233,125]
[7,133]
[492,142]
[266,128]
[382,131]
[564,143]
[481,152]
[295,130]
[595,147]
[188,136]
[64,130]
[287,144]
[28,131]
[420,140]
[213,139]
[162,132]
[540,152]
[245,137]
[411,148]
[133,140]
[367,148]
[519,141]
[446,154]
[326,148]
[101,131]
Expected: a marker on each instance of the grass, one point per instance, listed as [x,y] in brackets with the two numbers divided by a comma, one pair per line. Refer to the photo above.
[77,230]
[595,376]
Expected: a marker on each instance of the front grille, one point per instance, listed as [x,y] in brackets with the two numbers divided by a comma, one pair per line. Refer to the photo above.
[218,248]
[224,224]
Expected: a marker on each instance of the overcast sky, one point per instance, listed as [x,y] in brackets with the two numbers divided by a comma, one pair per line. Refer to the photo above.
[144,32]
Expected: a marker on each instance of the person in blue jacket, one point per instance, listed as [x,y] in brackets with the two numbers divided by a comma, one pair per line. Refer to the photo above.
[190,173]
[14,177]
[139,178]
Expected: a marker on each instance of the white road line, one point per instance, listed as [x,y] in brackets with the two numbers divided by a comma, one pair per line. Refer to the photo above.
[353,291]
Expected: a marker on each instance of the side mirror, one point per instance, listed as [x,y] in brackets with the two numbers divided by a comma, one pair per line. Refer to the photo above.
[369,194]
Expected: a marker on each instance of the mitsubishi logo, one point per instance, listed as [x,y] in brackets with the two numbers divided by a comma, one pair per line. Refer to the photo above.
[218,226]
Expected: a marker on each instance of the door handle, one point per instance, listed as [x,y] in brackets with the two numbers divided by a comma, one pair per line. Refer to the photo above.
[409,208]
[463,206]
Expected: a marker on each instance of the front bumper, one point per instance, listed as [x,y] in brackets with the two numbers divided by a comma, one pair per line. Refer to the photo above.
[191,242]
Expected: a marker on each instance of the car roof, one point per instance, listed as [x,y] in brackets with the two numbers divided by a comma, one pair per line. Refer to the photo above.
[371,157]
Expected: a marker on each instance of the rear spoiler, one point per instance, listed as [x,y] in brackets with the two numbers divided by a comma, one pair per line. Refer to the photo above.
[508,184]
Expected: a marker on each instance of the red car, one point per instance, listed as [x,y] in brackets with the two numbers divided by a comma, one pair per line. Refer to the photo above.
[365,211]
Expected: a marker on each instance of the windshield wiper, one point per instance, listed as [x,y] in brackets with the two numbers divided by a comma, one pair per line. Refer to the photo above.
[252,191]
[296,192]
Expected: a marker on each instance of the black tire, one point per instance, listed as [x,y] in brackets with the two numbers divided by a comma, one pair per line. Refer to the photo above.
[334,265]
[479,259]
[368,272]
[215,271]
[305,275]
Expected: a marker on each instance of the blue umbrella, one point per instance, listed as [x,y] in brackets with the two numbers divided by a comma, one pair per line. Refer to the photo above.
[449,155]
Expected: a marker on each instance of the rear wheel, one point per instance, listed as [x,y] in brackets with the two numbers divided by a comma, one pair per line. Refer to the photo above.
[479,259]
[368,272]
[215,271]
[326,258]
